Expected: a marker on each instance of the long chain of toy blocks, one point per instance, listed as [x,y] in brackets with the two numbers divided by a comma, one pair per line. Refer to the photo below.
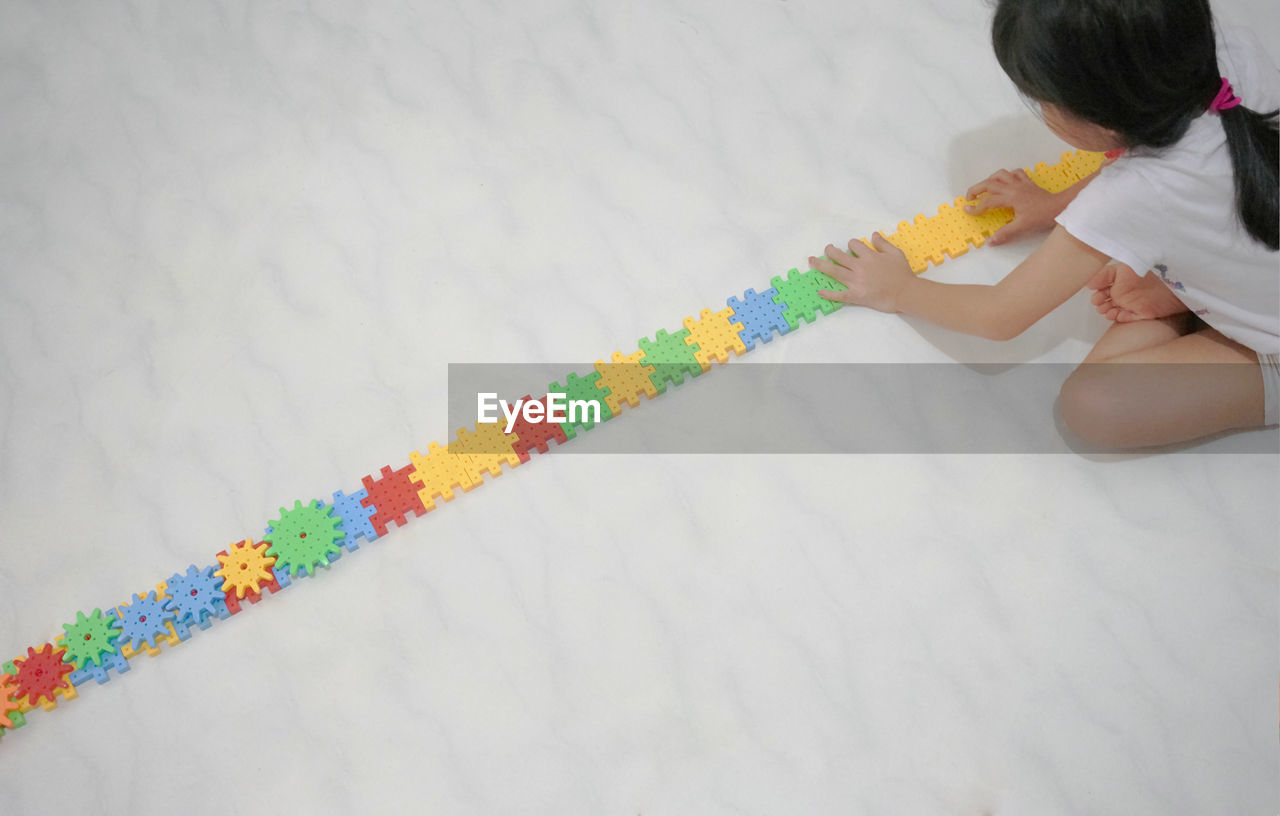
[316,534]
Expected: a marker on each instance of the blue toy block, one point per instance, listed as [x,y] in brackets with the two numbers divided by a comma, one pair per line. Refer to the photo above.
[759,315]
[355,518]
[109,661]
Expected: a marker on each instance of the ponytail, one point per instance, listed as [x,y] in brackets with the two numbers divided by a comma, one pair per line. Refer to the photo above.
[1254,142]
[1145,70]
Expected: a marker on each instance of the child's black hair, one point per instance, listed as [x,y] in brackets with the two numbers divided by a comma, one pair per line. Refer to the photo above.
[1144,69]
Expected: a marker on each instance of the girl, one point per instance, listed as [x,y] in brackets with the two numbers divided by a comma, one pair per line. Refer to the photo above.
[1193,197]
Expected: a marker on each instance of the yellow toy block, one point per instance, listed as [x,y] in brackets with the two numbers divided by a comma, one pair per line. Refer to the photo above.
[912,238]
[439,472]
[952,231]
[245,568]
[715,336]
[626,380]
[171,639]
[487,449]
[1074,166]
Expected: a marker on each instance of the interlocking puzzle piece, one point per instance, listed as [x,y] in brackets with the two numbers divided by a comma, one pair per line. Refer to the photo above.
[439,473]
[142,620]
[355,517]
[912,238]
[304,538]
[246,572]
[195,599]
[985,225]
[535,435]
[89,638]
[759,315]
[115,660]
[583,390]
[8,701]
[713,335]
[671,356]
[40,677]
[168,635]
[393,497]
[799,295]
[486,449]
[626,380]
[1073,166]
[951,232]
[957,229]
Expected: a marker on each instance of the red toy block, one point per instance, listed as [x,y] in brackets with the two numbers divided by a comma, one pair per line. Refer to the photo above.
[393,497]
[535,435]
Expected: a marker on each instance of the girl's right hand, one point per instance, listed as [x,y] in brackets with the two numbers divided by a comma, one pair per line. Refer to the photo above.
[1034,207]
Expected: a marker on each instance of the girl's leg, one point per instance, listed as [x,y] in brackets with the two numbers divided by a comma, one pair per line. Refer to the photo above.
[1151,386]
[1123,338]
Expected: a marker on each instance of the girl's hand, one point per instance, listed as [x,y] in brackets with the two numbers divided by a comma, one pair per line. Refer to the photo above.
[1034,208]
[1122,296]
[875,276]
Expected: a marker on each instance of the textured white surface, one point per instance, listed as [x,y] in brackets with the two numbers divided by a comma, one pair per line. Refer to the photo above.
[239,245]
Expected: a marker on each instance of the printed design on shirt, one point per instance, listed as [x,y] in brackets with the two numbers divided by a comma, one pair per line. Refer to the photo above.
[1164,276]
[1200,312]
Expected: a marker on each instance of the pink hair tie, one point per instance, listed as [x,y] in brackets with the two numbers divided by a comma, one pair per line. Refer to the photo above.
[1225,99]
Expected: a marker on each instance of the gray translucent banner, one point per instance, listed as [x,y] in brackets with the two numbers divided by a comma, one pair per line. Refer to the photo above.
[855,408]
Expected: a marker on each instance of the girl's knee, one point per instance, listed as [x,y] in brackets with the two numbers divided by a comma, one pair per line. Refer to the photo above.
[1094,408]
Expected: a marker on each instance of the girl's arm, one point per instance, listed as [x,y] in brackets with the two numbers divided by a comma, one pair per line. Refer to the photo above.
[882,279]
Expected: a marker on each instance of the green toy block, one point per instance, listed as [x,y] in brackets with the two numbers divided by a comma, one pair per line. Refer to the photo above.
[671,358]
[799,293]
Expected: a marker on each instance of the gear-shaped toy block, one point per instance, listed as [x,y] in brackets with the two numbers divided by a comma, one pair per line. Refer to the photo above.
[246,572]
[8,701]
[355,517]
[799,295]
[713,335]
[439,473]
[393,497]
[759,315]
[92,647]
[23,706]
[672,358]
[40,677]
[144,623]
[579,390]
[195,598]
[626,380]
[487,449]
[304,538]
[89,639]
[529,436]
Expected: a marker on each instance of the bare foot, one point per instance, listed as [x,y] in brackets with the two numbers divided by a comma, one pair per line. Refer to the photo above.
[1120,295]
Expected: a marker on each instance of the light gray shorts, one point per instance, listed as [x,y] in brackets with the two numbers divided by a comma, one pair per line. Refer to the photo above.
[1271,387]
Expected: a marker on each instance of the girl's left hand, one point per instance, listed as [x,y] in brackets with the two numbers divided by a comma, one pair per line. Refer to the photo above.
[876,276]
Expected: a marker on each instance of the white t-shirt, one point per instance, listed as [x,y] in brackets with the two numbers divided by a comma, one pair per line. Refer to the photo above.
[1173,211]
